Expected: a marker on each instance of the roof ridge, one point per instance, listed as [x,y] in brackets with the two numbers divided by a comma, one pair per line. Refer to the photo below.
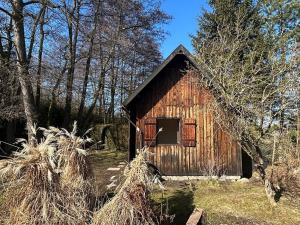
[177,51]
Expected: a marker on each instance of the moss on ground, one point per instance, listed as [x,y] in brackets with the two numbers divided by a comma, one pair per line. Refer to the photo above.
[231,203]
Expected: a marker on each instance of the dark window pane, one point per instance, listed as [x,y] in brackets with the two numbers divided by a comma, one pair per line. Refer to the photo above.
[170,132]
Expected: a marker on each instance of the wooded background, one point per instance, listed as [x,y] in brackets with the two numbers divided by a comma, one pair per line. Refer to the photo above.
[73,60]
[66,60]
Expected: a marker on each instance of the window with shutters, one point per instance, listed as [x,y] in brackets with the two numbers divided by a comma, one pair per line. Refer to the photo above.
[150,132]
[170,133]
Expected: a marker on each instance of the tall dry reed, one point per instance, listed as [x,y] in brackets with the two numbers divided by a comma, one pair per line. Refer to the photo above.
[48,182]
[131,204]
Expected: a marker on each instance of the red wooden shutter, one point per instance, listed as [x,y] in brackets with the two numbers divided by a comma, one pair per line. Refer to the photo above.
[189,133]
[150,132]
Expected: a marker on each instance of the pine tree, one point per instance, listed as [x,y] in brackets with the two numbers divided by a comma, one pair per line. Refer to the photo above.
[282,33]
[230,44]
[228,18]
[245,48]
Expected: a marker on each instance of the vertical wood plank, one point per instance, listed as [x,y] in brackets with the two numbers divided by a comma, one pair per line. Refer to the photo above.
[181,97]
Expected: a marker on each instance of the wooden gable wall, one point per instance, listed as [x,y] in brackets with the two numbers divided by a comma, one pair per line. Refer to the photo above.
[177,94]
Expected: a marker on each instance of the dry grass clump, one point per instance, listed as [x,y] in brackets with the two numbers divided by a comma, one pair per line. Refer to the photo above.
[284,171]
[76,173]
[286,177]
[131,204]
[38,181]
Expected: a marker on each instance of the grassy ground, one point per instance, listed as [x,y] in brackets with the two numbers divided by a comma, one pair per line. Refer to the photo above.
[100,161]
[228,203]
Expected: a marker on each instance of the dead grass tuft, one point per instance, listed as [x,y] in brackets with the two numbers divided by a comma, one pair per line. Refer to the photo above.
[286,177]
[131,204]
[38,187]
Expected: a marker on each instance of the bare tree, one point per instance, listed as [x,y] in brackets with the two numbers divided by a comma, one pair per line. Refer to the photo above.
[40,55]
[72,14]
[17,14]
[78,56]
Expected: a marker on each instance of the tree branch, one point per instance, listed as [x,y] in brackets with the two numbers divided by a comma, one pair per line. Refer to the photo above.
[30,2]
[6,12]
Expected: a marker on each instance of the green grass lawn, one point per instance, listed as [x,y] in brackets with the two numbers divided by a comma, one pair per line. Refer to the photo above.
[228,203]
[104,159]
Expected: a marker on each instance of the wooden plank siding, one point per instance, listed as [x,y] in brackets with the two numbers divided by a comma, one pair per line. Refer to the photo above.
[177,94]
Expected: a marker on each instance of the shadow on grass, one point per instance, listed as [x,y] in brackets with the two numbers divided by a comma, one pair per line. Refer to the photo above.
[278,195]
[180,204]
[223,218]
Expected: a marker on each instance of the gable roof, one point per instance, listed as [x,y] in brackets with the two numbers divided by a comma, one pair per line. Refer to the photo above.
[180,50]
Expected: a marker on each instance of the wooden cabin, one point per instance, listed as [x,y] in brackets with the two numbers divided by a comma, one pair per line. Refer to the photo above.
[190,143]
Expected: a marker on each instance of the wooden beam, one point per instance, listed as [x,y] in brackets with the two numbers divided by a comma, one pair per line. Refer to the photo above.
[196,218]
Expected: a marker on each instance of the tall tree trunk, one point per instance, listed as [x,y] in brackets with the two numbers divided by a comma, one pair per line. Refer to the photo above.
[114,78]
[22,66]
[40,56]
[85,82]
[1,49]
[10,135]
[33,31]
[69,87]
[282,31]
[72,53]
[111,109]
[122,87]
[98,92]
[88,66]
[52,105]
[251,146]
[132,74]
[9,39]
[102,96]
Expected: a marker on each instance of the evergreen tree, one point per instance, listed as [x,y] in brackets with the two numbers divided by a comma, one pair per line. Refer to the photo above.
[245,52]
[229,18]
[247,48]
[230,45]
[282,33]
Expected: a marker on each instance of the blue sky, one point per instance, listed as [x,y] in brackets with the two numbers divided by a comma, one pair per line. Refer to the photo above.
[184,23]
